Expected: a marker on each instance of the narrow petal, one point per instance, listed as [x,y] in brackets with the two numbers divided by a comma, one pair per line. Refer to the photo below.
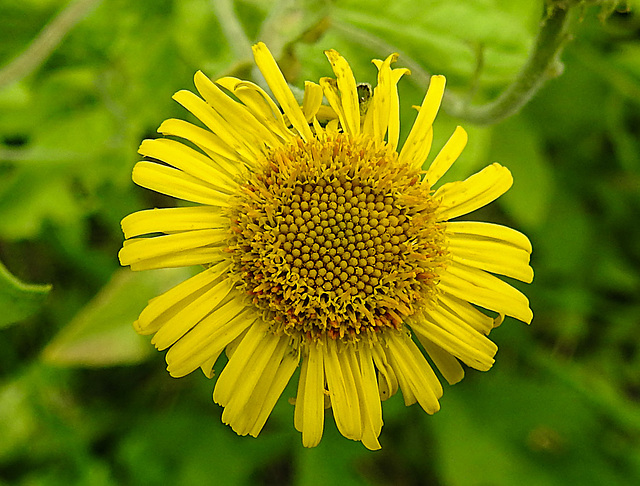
[309,415]
[209,337]
[189,161]
[312,100]
[232,375]
[468,313]
[274,78]
[347,91]
[394,108]
[416,147]
[387,382]
[447,364]
[198,256]
[153,317]
[259,103]
[234,113]
[283,374]
[332,93]
[447,156]
[483,289]
[341,385]
[455,336]
[247,409]
[494,256]
[207,366]
[222,156]
[418,379]
[490,231]
[367,385]
[214,121]
[187,317]
[173,220]
[174,182]
[477,191]
[385,107]
[377,118]
[136,250]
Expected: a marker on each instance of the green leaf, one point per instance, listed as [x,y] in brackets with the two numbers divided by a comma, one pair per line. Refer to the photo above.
[444,35]
[517,147]
[101,334]
[511,428]
[18,300]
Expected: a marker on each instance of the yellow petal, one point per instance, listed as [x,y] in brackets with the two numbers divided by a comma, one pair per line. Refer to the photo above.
[174,182]
[190,314]
[274,78]
[416,377]
[251,390]
[222,156]
[234,113]
[173,220]
[136,250]
[447,156]
[377,117]
[332,93]
[283,374]
[151,317]
[233,371]
[259,103]
[483,289]
[209,337]
[489,231]
[455,336]
[468,313]
[312,100]
[367,385]
[394,108]
[388,382]
[207,366]
[494,256]
[348,96]
[340,383]
[385,107]
[458,198]
[214,121]
[309,416]
[447,364]
[416,147]
[189,161]
[197,256]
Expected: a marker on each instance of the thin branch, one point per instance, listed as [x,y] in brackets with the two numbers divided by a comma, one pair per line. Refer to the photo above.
[232,29]
[542,65]
[46,41]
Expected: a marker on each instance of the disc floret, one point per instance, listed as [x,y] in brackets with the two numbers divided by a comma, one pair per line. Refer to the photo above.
[336,236]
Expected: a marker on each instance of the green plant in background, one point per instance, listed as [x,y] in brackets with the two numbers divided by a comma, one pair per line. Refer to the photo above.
[561,403]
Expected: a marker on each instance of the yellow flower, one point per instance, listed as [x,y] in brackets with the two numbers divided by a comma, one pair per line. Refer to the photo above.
[324,248]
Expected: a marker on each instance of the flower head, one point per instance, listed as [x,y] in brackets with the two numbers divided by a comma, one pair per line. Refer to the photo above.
[323,247]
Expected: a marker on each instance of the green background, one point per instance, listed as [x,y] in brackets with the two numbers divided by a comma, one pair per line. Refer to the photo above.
[84,400]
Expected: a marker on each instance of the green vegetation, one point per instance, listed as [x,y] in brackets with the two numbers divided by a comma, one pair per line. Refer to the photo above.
[84,400]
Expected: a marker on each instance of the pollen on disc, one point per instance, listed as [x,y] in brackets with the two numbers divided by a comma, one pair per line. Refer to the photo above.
[335,237]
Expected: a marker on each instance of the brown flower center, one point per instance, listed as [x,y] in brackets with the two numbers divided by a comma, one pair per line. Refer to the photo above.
[336,237]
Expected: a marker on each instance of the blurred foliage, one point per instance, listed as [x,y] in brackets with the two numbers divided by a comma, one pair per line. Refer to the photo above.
[84,401]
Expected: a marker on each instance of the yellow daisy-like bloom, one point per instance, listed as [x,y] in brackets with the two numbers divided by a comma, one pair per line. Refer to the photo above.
[324,248]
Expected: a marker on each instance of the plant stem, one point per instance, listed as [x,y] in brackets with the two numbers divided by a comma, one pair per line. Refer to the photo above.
[232,29]
[542,65]
[46,41]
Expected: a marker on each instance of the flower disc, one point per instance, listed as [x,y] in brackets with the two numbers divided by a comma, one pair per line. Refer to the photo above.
[336,236]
